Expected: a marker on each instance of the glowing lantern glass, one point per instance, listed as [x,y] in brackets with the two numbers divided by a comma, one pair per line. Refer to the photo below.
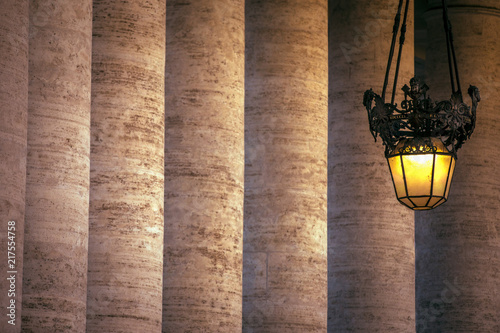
[421,172]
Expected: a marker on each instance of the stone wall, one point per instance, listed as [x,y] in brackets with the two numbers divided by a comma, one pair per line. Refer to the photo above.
[370,235]
[126,170]
[203,166]
[57,189]
[13,145]
[285,264]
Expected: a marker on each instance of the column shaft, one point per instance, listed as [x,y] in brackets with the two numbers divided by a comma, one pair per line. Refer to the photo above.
[457,245]
[56,229]
[13,140]
[126,170]
[371,251]
[204,166]
[285,241]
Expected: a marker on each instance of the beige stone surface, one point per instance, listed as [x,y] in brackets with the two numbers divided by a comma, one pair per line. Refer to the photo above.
[285,236]
[457,245]
[203,166]
[371,250]
[56,229]
[13,137]
[126,174]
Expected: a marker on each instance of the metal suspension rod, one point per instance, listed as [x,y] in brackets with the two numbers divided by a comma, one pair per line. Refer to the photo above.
[459,89]
[401,43]
[395,30]
[447,23]
[451,46]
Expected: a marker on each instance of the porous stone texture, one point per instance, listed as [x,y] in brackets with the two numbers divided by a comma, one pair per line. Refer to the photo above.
[126,170]
[458,244]
[204,164]
[370,235]
[286,120]
[13,137]
[56,229]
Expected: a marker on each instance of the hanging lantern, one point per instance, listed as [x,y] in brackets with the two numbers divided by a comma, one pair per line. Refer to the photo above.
[421,137]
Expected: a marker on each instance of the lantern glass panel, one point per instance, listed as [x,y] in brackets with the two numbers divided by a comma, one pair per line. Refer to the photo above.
[397,176]
[434,201]
[407,202]
[418,173]
[441,174]
[452,169]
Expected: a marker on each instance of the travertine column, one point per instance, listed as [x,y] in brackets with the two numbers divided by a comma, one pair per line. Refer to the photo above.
[13,129]
[370,235]
[204,166]
[126,169]
[286,117]
[56,229]
[458,244]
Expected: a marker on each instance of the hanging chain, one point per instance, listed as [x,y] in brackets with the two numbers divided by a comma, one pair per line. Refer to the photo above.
[452,58]
[401,43]
[418,116]
[395,30]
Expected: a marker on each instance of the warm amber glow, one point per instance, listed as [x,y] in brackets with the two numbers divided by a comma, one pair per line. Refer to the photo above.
[422,180]
[418,173]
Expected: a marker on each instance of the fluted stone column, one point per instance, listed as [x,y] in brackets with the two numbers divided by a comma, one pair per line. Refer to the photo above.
[285,240]
[126,170]
[56,229]
[13,140]
[203,166]
[371,251]
[458,244]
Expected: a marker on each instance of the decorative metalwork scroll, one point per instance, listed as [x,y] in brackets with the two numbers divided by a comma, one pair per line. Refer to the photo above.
[452,121]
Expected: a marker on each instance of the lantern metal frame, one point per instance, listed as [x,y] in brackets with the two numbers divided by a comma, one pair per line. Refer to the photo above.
[419,118]
[422,147]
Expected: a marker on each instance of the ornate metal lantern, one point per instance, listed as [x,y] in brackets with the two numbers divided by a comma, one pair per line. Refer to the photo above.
[421,137]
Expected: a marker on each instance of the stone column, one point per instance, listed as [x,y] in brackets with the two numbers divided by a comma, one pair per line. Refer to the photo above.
[458,244]
[13,137]
[56,229]
[370,235]
[204,166]
[285,240]
[126,171]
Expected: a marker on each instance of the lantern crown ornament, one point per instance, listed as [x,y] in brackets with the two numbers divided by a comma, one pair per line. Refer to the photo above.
[421,136]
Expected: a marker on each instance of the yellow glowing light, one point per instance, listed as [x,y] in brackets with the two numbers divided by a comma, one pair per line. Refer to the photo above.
[422,179]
